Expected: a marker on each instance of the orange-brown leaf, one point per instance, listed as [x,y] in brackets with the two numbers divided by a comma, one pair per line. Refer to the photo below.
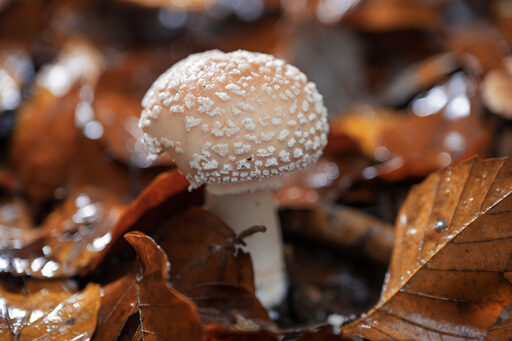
[75,237]
[164,314]
[452,248]
[202,250]
[49,315]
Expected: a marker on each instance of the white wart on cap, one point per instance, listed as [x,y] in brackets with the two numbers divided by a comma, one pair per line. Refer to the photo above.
[227,118]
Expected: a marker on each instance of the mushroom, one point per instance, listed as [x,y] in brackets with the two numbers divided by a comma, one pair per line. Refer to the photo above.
[237,121]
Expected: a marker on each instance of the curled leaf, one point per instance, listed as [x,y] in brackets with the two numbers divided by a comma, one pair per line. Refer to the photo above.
[163,312]
[452,253]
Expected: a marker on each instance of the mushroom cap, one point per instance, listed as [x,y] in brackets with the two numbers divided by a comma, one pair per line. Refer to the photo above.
[229,118]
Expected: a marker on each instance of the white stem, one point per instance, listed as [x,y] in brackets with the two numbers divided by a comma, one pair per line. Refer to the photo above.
[243,210]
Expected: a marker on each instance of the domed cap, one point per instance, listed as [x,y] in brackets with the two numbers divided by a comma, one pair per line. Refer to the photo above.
[234,117]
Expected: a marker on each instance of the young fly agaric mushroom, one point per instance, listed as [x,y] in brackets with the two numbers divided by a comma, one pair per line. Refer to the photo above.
[236,121]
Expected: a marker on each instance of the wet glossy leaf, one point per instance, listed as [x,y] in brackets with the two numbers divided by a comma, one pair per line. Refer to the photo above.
[49,315]
[74,238]
[445,124]
[163,312]
[452,251]
[67,241]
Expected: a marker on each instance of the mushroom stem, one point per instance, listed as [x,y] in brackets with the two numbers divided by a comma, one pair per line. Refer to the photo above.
[242,210]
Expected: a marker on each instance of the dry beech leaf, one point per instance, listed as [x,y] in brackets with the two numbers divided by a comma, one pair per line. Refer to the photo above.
[342,226]
[164,314]
[74,238]
[208,267]
[202,250]
[49,314]
[452,248]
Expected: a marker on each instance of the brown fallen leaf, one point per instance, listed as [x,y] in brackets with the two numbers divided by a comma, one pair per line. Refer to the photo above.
[49,315]
[203,250]
[163,313]
[209,267]
[445,124]
[76,236]
[342,226]
[39,170]
[67,241]
[452,250]
[166,194]
[42,160]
